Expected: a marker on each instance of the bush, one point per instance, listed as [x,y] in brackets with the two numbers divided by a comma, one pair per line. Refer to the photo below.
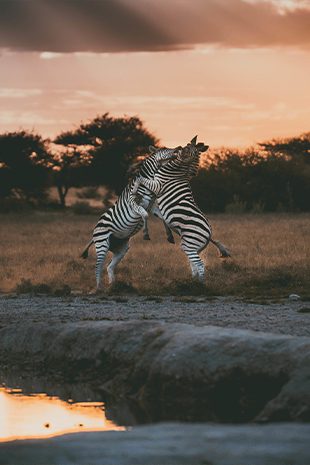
[258,208]
[14,205]
[90,192]
[22,171]
[188,287]
[82,208]
[236,206]
[63,291]
[260,182]
[122,288]
[27,287]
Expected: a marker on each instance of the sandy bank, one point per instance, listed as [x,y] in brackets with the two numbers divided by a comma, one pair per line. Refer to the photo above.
[169,444]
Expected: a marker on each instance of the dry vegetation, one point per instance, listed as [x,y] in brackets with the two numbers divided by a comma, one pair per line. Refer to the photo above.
[269,256]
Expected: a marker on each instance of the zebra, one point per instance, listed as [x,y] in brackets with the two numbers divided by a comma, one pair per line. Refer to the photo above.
[124,219]
[176,205]
[134,197]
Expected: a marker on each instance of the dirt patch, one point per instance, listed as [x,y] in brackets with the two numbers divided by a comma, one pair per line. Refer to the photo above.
[282,317]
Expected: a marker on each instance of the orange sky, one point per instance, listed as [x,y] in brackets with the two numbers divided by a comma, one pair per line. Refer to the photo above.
[234,71]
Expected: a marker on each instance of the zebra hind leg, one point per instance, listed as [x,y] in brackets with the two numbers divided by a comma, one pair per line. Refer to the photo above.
[146,235]
[119,254]
[197,266]
[102,249]
[169,234]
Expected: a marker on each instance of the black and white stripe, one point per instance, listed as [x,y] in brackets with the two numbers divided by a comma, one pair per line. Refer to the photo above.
[177,207]
[118,224]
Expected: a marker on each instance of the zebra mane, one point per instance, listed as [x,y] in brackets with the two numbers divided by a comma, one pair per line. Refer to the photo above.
[134,169]
[148,164]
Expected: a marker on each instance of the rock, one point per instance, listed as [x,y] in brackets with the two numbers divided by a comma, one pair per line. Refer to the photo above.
[219,374]
[169,444]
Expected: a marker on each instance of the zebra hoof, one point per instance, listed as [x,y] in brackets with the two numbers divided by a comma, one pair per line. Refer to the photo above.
[146,237]
[96,291]
[171,239]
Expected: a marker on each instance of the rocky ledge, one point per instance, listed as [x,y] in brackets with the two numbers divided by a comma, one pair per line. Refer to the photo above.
[222,375]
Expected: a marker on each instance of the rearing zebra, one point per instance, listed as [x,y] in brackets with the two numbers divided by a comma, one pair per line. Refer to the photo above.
[120,222]
[178,208]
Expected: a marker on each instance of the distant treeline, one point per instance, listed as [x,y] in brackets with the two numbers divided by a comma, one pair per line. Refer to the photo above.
[273,176]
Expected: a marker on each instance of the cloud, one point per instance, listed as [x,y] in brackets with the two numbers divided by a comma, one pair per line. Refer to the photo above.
[28,119]
[110,26]
[84,99]
[8,92]
[50,55]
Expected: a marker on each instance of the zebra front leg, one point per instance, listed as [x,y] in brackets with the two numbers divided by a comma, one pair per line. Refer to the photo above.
[102,249]
[119,254]
[144,214]
[153,185]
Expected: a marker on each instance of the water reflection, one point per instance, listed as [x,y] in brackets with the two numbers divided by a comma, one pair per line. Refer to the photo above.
[38,415]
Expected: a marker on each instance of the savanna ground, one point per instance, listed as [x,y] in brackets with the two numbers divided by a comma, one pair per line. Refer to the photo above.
[270,257]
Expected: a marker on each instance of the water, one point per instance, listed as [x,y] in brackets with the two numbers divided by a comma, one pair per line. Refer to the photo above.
[28,416]
[36,407]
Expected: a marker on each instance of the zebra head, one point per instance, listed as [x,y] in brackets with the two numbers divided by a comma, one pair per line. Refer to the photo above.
[190,154]
[162,155]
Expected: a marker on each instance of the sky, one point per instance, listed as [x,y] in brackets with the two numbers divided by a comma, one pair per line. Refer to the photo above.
[235,72]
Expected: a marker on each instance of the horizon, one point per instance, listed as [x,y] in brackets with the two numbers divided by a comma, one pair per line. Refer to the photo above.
[234,72]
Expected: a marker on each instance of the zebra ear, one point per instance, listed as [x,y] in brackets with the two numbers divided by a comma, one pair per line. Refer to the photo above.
[194,140]
[152,149]
[202,147]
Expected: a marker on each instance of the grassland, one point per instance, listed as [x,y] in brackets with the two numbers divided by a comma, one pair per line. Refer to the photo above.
[270,256]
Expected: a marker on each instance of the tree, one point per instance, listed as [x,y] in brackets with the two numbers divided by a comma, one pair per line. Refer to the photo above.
[65,161]
[296,152]
[297,148]
[116,142]
[20,176]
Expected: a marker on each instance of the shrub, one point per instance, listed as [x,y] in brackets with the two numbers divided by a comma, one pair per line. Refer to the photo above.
[236,206]
[258,208]
[27,287]
[14,205]
[90,192]
[122,287]
[82,208]
[63,291]
[188,287]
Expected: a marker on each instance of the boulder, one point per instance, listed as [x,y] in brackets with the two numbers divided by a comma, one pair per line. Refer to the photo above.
[173,370]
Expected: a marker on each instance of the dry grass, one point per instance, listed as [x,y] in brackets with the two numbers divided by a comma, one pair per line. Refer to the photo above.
[269,256]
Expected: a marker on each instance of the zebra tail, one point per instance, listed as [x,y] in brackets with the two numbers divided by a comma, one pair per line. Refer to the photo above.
[224,252]
[84,254]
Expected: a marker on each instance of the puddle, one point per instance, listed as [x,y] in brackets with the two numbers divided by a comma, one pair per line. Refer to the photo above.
[28,416]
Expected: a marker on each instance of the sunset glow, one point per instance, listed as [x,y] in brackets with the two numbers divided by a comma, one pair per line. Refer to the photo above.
[235,72]
[38,416]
